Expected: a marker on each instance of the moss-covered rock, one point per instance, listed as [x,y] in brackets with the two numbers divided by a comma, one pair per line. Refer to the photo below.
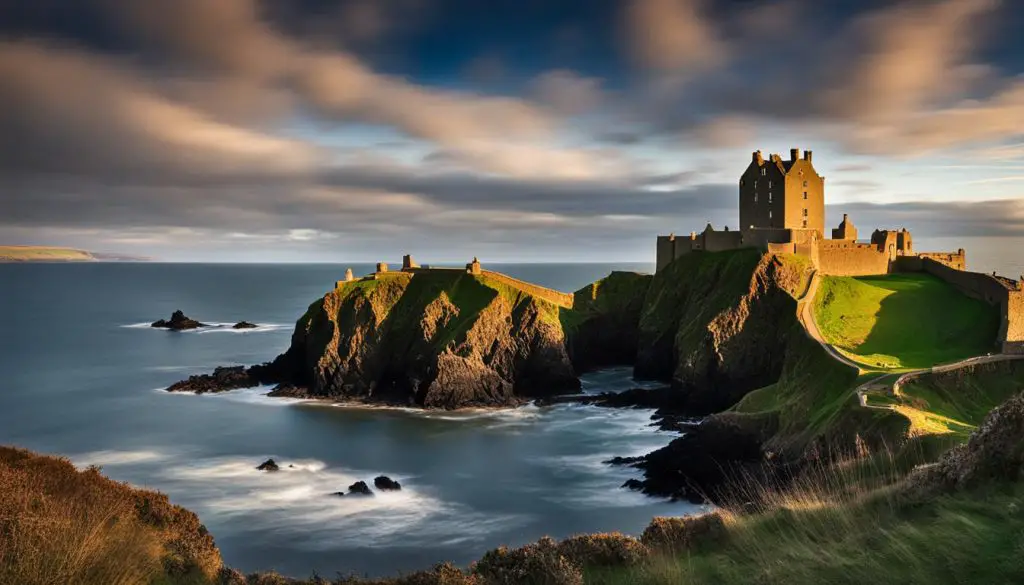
[608,319]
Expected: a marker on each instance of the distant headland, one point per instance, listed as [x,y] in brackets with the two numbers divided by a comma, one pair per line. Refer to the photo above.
[59,254]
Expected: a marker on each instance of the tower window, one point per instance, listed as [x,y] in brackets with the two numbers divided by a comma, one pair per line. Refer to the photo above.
[805,183]
[805,195]
[764,171]
[755,196]
[755,183]
[769,184]
[805,223]
[769,214]
[769,197]
[805,213]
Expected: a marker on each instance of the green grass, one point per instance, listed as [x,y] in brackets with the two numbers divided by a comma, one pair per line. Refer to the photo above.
[43,254]
[903,321]
[955,539]
[956,403]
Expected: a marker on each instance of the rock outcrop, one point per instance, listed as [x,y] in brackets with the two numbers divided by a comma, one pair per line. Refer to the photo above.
[385,483]
[268,465]
[178,322]
[716,324]
[222,378]
[359,488]
[438,339]
[244,325]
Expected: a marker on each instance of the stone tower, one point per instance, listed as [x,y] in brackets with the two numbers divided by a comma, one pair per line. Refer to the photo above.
[782,194]
[474,267]
[349,277]
[408,263]
[846,230]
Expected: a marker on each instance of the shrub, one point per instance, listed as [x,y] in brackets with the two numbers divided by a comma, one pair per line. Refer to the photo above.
[677,534]
[540,563]
[603,550]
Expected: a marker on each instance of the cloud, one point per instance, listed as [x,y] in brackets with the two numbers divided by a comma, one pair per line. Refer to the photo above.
[566,92]
[63,112]
[672,35]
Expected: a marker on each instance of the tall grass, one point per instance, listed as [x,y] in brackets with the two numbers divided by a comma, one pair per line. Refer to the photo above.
[61,526]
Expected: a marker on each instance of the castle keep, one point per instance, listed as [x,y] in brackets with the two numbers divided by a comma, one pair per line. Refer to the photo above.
[782,211]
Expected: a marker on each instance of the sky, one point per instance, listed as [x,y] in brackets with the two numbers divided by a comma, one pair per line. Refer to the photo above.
[512,130]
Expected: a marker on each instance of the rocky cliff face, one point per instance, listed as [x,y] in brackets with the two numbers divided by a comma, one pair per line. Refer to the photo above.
[606,328]
[716,324]
[433,339]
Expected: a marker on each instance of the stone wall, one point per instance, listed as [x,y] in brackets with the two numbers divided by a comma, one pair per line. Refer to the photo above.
[559,298]
[1001,292]
[1013,341]
[957,260]
[719,241]
[847,258]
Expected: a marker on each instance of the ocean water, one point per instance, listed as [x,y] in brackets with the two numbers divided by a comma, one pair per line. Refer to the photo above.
[83,373]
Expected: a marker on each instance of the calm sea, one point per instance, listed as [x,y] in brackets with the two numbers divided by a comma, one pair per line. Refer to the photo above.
[82,375]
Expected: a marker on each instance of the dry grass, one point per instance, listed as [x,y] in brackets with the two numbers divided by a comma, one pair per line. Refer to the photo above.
[59,525]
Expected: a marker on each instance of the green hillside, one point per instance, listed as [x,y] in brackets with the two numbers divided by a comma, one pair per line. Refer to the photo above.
[903,321]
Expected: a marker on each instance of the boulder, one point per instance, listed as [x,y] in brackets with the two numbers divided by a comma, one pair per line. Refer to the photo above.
[244,325]
[222,379]
[178,322]
[268,465]
[359,488]
[385,483]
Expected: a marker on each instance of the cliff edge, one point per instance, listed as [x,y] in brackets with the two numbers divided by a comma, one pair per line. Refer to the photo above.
[436,339]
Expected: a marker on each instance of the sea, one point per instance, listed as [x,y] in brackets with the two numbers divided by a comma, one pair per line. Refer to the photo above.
[83,377]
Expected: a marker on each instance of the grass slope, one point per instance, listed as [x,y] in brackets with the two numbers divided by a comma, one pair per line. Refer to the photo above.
[956,539]
[954,402]
[903,321]
[43,254]
[61,525]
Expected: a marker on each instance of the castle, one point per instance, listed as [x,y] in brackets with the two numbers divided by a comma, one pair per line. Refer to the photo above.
[782,211]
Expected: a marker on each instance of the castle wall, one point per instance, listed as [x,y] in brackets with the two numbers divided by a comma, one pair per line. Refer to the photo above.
[551,295]
[670,248]
[718,241]
[1013,342]
[957,260]
[1003,293]
[847,258]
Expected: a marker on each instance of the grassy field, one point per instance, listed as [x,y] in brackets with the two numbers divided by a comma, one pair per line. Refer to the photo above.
[43,254]
[903,321]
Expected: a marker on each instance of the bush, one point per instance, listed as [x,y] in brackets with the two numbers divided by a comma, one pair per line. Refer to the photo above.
[677,534]
[540,563]
[603,550]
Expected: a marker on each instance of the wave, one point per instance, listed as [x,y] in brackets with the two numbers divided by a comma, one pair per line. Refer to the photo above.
[215,327]
[108,458]
[297,503]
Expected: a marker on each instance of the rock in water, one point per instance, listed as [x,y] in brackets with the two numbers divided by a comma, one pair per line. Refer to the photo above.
[222,379]
[385,483]
[359,488]
[268,465]
[178,322]
[244,325]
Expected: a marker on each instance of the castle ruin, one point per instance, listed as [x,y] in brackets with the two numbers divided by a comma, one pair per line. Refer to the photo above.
[782,211]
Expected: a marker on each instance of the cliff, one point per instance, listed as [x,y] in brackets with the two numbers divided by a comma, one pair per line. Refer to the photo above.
[716,324]
[439,339]
[608,319]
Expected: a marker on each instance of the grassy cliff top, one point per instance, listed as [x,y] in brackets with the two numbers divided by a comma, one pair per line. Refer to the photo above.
[903,321]
[43,254]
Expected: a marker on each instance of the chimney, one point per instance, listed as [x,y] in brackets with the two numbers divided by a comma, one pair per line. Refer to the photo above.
[807,155]
[757,158]
[794,154]
[844,217]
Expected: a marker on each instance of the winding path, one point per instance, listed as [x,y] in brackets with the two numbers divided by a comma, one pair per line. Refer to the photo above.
[805,313]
